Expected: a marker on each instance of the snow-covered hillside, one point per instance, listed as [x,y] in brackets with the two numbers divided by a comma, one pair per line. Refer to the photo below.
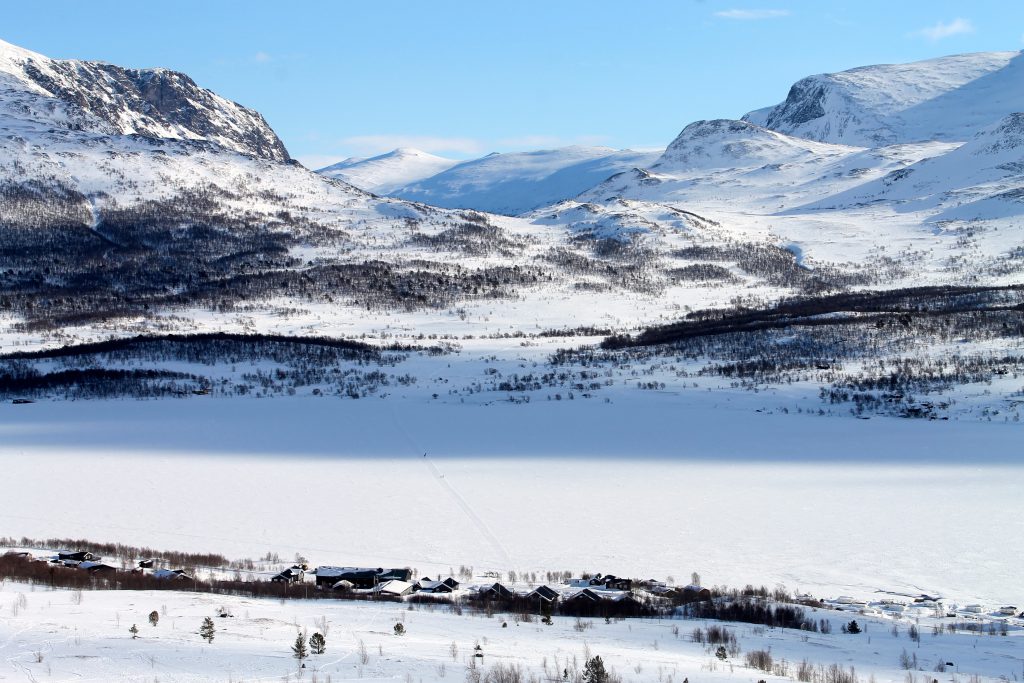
[389,172]
[516,182]
[947,99]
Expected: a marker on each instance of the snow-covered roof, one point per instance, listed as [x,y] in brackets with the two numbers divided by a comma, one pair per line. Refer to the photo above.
[395,587]
[91,564]
[329,571]
[170,574]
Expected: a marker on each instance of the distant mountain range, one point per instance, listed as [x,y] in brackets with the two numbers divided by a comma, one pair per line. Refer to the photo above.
[509,184]
[945,101]
[135,202]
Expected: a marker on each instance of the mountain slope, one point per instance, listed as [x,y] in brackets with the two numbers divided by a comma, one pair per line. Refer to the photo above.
[108,99]
[980,180]
[949,98]
[388,172]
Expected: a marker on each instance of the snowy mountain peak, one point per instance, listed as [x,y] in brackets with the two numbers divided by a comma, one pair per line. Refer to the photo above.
[412,152]
[110,99]
[389,171]
[949,98]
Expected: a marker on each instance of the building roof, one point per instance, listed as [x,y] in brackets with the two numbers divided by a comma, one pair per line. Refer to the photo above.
[89,564]
[428,585]
[170,574]
[395,587]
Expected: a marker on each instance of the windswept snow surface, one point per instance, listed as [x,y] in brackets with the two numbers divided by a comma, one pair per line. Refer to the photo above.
[648,486]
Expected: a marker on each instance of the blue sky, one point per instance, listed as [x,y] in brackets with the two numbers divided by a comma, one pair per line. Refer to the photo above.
[463,79]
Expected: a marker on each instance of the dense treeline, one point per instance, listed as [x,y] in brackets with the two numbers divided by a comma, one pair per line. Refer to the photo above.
[269,364]
[210,346]
[858,307]
[752,612]
[25,382]
[125,553]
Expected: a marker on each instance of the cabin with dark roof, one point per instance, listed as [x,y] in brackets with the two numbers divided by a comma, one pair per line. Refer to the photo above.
[543,595]
[171,574]
[292,574]
[359,577]
[96,567]
[612,582]
[496,591]
[693,593]
[76,556]
[591,602]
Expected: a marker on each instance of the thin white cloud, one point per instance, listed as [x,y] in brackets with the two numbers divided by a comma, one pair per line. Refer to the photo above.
[370,145]
[752,14]
[945,29]
[262,57]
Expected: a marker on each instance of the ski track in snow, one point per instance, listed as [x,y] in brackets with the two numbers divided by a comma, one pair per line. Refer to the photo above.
[468,509]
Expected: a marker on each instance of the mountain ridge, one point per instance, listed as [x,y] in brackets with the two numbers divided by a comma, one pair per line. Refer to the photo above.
[156,102]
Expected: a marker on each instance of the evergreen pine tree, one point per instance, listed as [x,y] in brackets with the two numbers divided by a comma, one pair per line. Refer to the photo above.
[317,643]
[594,671]
[134,630]
[207,630]
[299,650]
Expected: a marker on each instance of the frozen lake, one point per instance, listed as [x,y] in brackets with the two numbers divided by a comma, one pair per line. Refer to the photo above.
[642,488]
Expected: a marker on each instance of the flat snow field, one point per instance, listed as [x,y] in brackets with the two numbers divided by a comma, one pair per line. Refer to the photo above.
[639,487]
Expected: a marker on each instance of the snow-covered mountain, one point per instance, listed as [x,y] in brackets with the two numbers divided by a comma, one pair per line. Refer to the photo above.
[386,173]
[105,99]
[948,99]
[512,183]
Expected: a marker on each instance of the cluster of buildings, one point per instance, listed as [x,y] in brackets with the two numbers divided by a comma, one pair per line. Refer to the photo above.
[589,593]
[92,563]
[597,590]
